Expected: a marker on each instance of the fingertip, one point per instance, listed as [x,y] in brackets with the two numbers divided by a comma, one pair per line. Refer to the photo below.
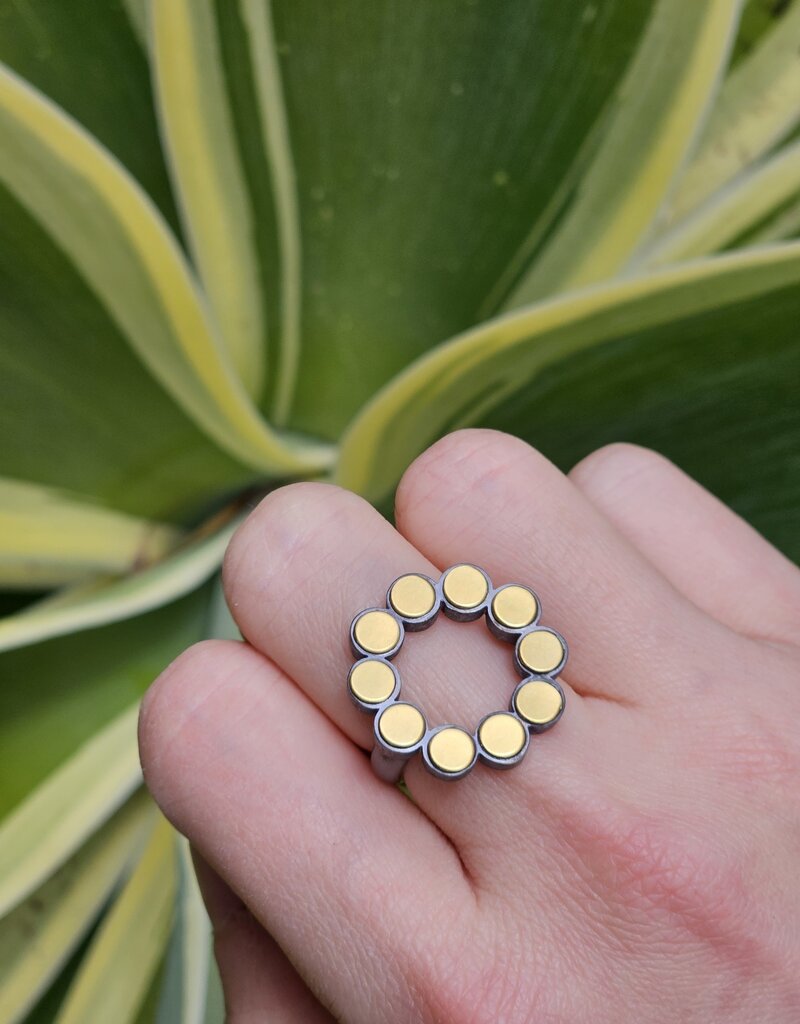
[276,524]
[176,711]
[619,469]
[285,532]
[168,692]
[707,552]
[473,460]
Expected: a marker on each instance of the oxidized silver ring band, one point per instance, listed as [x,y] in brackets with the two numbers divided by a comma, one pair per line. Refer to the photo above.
[464,593]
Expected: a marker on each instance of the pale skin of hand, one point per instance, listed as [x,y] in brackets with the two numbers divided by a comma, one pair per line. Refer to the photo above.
[642,864]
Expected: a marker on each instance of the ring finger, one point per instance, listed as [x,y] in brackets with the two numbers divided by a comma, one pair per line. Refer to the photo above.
[306,561]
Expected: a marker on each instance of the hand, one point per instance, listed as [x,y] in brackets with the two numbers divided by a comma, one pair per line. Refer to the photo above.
[641,864]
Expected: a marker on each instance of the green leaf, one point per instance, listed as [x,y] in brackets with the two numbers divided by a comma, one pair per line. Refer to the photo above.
[215,1000]
[148,1007]
[99,216]
[59,815]
[95,604]
[785,225]
[220,624]
[427,141]
[49,538]
[249,63]
[757,108]
[65,729]
[88,59]
[115,975]
[39,936]
[45,1010]
[716,392]
[758,16]
[137,16]
[270,108]
[459,382]
[646,134]
[756,197]
[78,410]
[80,384]
[210,184]
[184,990]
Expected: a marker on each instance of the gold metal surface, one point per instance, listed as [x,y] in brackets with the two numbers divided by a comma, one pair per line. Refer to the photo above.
[372,681]
[452,749]
[502,735]
[514,606]
[412,596]
[377,632]
[465,587]
[538,702]
[463,593]
[401,725]
[541,651]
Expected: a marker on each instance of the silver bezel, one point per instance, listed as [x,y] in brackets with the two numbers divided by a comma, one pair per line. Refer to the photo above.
[362,652]
[532,726]
[521,667]
[420,622]
[502,762]
[366,705]
[389,762]
[432,768]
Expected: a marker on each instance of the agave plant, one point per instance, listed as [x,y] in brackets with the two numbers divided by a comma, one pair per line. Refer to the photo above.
[247,241]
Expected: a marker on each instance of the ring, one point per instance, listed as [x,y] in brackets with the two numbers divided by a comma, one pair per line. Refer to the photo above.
[464,593]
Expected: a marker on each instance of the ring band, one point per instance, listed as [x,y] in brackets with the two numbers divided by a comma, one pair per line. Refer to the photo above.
[464,593]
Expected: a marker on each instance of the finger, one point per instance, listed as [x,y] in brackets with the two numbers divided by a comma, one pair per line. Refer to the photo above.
[485,497]
[306,561]
[708,552]
[258,980]
[289,813]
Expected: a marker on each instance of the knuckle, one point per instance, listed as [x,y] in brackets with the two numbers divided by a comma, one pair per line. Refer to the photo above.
[273,526]
[757,754]
[665,871]
[168,692]
[477,460]
[498,985]
[279,538]
[620,466]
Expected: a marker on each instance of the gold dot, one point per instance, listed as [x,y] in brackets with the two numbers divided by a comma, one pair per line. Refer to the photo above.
[412,596]
[502,735]
[541,651]
[465,586]
[401,725]
[515,606]
[538,702]
[451,749]
[377,632]
[372,681]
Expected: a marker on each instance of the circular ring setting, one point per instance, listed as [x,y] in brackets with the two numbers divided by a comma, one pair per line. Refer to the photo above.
[464,593]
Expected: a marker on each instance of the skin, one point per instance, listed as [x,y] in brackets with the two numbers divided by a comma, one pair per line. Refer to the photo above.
[640,865]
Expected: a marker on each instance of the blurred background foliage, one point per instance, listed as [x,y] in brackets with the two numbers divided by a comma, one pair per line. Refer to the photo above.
[244,242]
